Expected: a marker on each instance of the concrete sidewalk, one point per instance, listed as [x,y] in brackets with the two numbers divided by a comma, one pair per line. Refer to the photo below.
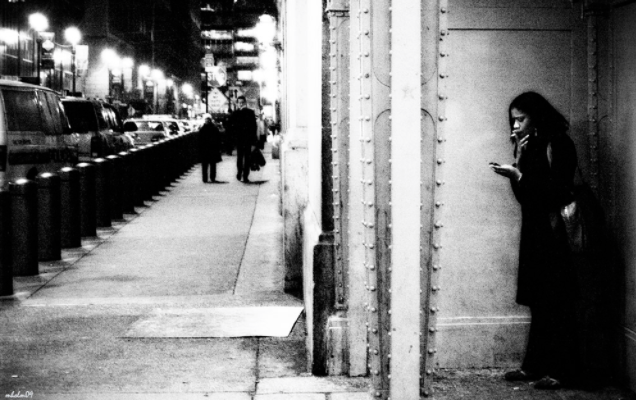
[193,248]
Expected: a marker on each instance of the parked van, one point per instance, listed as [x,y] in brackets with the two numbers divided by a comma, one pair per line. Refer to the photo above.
[99,125]
[35,135]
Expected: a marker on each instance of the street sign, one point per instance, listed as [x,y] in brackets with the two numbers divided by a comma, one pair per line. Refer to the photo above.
[208,62]
[217,102]
[219,76]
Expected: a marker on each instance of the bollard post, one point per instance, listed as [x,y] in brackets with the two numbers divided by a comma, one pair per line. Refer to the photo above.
[102,192]
[6,270]
[142,165]
[88,217]
[137,176]
[49,241]
[174,160]
[153,170]
[24,227]
[146,180]
[70,225]
[116,187]
[127,195]
[165,164]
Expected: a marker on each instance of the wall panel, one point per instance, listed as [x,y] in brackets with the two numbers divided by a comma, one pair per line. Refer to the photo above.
[493,53]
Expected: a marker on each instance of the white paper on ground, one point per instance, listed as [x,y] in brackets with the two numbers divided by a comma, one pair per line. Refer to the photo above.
[217,322]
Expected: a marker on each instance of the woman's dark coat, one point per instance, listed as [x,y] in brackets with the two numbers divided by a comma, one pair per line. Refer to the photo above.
[210,143]
[545,260]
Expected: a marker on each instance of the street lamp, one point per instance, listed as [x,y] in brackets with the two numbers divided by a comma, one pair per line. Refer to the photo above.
[265,29]
[73,36]
[39,23]
[187,90]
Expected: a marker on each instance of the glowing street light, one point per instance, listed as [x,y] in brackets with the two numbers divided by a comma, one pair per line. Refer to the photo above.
[265,29]
[38,23]
[127,63]
[144,70]
[73,36]
[187,90]
[156,74]
[110,58]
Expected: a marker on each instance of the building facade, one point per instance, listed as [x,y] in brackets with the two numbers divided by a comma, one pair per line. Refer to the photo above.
[236,42]
[19,40]
[403,241]
[118,38]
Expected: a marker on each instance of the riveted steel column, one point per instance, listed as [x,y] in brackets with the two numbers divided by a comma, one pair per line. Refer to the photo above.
[357,301]
[432,246]
[376,161]
[338,11]
[592,96]
[434,34]
[406,318]
[366,143]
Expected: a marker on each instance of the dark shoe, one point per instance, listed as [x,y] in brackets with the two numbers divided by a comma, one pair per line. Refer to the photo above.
[519,375]
[205,181]
[547,383]
[245,180]
[238,176]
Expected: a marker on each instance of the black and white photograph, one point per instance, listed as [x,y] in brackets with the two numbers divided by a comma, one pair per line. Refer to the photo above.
[318,199]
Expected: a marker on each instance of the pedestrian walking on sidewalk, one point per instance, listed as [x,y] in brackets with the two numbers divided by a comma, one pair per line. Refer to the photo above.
[242,124]
[542,180]
[209,149]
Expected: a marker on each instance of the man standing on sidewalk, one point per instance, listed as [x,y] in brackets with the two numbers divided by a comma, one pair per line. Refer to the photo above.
[209,148]
[243,126]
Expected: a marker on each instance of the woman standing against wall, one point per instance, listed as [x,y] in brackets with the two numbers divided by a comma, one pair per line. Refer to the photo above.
[542,181]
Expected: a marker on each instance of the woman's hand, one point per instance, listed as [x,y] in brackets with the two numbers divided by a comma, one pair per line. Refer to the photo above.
[522,144]
[506,170]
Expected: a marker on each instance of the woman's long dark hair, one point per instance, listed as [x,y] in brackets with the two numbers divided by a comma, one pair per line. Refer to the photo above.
[544,116]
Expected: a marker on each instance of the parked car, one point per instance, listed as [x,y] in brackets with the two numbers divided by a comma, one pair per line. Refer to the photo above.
[175,127]
[187,127]
[121,141]
[146,131]
[35,135]
[99,126]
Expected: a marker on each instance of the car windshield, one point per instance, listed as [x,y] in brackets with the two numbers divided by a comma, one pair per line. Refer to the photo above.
[149,125]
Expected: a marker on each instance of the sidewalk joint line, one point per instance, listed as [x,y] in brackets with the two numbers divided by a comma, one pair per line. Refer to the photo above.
[247,238]
[257,366]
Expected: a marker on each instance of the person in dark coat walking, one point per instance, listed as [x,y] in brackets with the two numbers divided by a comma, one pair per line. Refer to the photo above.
[542,180]
[242,124]
[209,149]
